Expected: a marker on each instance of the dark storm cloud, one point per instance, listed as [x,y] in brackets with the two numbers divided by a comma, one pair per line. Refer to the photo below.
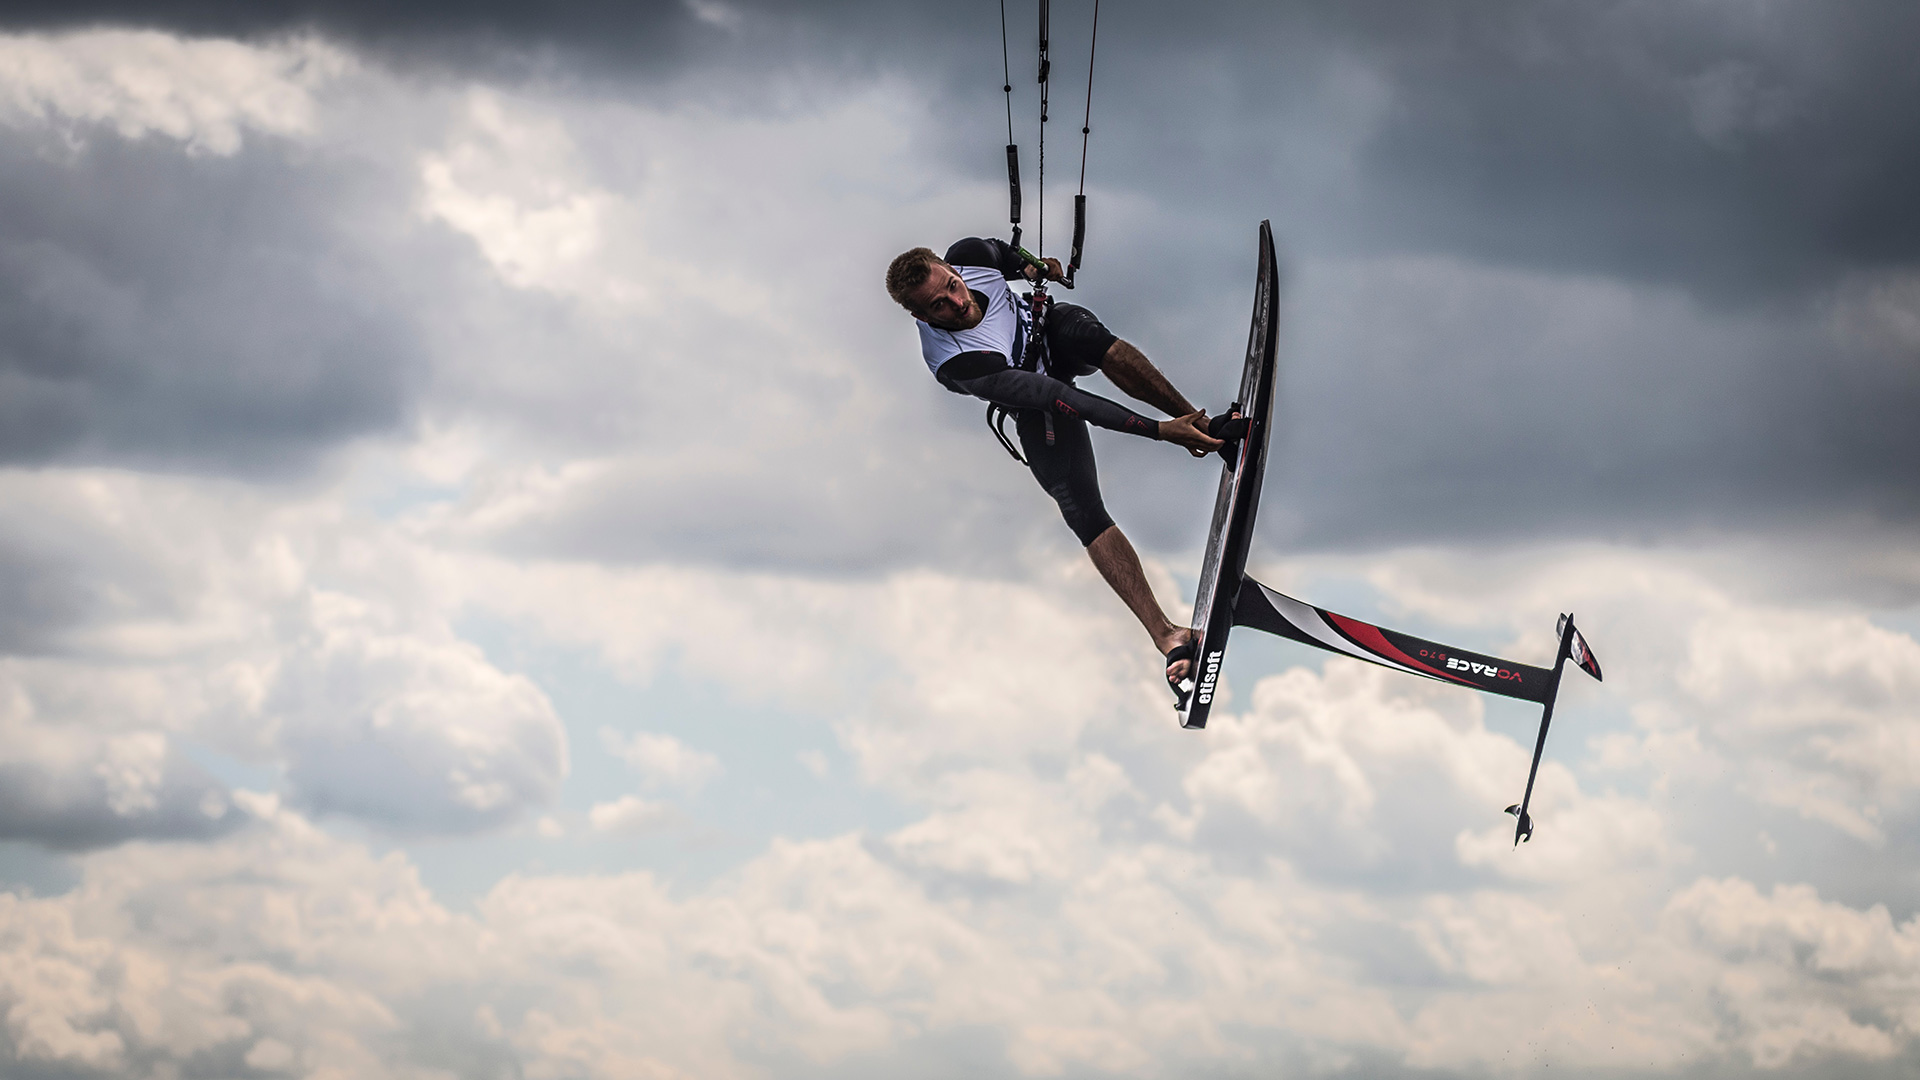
[187,311]
[1733,149]
[455,30]
[1753,157]
[1675,205]
[1504,407]
[1728,147]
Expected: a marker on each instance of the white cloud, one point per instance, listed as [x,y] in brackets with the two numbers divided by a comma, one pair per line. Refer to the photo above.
[1802,978]
[68,787]
[1788,701]
[1001,827]
[288,946]
[629,815]
[413,730]
[663,759]
[204,93]
[1320,881]
[1819,706]
[510,183]
[172,608]
[714,13]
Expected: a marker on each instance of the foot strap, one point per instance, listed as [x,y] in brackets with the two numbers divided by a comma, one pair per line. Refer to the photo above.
[1230,429]
[1187,650]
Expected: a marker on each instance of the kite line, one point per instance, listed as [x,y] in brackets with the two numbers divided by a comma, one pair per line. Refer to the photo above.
[1044,72]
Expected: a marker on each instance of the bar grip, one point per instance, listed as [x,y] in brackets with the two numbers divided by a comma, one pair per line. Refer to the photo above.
[1013,183]
[1079,229]
[1079,237]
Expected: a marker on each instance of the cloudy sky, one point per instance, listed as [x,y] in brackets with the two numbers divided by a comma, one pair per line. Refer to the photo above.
[488,589]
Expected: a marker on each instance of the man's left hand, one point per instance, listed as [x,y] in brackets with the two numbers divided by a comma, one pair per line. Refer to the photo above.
[1054,271]
[1201,424]
[1190,431]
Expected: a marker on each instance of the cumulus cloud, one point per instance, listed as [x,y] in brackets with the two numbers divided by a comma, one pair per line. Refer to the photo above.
[538,267]
[408,730]
[137,977]
[1130,957]
[595,371]
[629,815]
[1805,977]
[197,300]
[448,33]
[70,788]
[203,93]
[1825,701]
[662,759]
[167,610]
[1080,884]
[505,185]
[1350,782]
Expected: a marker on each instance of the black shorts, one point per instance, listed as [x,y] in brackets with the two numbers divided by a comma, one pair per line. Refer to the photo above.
[1077,343]
[1061,457]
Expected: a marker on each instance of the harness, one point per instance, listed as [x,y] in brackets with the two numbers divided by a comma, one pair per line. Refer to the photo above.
[1033,357]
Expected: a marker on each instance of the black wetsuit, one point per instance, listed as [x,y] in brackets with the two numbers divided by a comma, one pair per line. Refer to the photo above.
[1051,414]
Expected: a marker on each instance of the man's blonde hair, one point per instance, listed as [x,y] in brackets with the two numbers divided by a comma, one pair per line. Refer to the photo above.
[909,271]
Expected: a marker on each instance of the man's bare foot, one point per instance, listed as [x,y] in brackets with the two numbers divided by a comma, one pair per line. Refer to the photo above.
[1175,637]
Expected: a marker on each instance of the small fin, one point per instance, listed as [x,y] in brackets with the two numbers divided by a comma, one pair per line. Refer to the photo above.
[1522,829]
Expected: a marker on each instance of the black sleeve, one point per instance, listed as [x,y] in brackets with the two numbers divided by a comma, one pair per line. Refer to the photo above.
[987,252]
[965,366]
[1016,389]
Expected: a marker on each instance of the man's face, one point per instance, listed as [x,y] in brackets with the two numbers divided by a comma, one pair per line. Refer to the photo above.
[943,300]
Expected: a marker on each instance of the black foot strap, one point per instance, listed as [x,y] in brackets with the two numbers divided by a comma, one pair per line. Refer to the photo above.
[1187,650]
[1229,429]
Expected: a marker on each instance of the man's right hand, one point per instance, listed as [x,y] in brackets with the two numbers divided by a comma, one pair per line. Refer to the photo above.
[1190,431]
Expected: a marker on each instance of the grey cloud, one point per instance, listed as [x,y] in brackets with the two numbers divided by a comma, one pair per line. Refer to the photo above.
[1740,170]
[98,801]
[188,312]
[155,606]
[1735,150]
[412,734]
[1725,147]
[468,33]
[969,511]
[1435,400]
[1713,152]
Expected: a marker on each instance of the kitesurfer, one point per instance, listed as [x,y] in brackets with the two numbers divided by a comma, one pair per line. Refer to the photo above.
[973,336]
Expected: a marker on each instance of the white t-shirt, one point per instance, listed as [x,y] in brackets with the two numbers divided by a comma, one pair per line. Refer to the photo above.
[1002,329]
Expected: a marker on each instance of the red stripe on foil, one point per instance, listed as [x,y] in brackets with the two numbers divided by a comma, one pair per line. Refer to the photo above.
[1370,637]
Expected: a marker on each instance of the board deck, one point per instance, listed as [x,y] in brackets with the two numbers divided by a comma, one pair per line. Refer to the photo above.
[1238,501]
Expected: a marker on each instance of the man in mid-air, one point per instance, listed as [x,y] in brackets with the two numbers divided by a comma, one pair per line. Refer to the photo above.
[973,335]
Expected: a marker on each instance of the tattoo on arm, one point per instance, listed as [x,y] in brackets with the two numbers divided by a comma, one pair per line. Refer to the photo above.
[1135,375]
